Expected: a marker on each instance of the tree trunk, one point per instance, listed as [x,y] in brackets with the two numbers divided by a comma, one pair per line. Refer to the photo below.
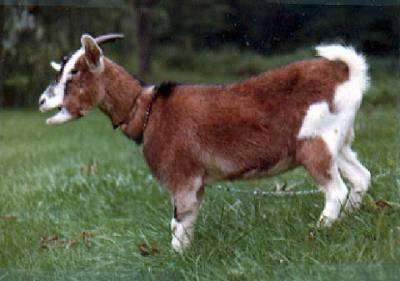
[2,14]
[143,34]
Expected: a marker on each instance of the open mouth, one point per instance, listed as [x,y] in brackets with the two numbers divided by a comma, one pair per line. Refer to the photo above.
[61,116]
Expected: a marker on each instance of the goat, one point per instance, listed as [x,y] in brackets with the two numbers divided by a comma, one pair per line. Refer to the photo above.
[301,114]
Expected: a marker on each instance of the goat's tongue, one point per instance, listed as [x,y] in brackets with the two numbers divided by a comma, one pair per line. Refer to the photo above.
[60,117]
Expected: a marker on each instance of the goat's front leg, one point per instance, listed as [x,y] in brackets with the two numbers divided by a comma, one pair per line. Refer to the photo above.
[186,201]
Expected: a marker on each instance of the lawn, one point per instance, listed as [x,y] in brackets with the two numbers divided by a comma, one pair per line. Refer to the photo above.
[77,202]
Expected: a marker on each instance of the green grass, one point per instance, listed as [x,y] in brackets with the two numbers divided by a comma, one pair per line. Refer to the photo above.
[47,189]
[77,201]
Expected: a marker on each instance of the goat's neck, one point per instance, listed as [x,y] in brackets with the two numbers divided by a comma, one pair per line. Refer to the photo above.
[120,92]
[126,102]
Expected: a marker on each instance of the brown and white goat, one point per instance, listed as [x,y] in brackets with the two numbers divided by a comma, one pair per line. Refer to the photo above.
[301,114]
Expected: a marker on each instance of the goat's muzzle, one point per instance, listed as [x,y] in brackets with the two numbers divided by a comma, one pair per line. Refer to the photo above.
[52,98]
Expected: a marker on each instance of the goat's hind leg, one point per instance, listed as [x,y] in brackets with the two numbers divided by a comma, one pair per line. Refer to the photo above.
[315,156]
[335,197]
[358,176]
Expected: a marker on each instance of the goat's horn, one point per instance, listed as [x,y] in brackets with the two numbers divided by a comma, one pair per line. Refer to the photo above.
[108,38]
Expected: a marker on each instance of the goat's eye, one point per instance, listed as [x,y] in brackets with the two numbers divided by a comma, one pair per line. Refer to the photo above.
[74,71]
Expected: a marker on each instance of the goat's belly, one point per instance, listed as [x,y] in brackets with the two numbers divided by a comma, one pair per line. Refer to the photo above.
[226,170]
[280,167]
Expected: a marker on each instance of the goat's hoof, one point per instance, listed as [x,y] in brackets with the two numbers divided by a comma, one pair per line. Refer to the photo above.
[181,237]
[325,221]
[179,245]
[354,202]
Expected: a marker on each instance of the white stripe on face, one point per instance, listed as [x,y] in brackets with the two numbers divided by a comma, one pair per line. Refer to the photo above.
[53,96]
[66,75]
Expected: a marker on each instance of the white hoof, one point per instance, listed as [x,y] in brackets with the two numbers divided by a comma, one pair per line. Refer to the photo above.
[178,245]
[354,202]
[181,237]
[325,221]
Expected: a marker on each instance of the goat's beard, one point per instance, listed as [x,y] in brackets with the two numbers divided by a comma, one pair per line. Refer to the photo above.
[63,115]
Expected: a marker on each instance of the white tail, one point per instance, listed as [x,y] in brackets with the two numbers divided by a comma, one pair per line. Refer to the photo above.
[356,62]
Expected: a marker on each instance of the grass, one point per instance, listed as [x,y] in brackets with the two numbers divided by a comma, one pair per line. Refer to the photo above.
[77,202]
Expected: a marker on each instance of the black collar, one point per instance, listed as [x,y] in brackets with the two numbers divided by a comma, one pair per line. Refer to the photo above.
[131,118]
[135,124]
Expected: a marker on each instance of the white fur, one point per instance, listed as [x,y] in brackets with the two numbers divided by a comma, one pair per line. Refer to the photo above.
[70,65]
[188,202]
[335,198]
[317,115]
[53,96]
[331,127]
[356,173]
[60,117]
[182,235]
[349,94]
[52,99]
[56,66]
[334,128]
[149,89]
[356,62]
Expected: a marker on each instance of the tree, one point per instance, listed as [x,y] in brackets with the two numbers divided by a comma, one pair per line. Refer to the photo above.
[1,51]
[144,34]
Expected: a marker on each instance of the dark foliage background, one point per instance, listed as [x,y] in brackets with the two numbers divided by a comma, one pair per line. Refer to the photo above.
[77,201]
[176,31]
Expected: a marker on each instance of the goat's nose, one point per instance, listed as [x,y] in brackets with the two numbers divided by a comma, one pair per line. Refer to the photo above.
[41,101]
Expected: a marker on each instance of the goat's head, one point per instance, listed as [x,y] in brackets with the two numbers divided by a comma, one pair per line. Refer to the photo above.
[77,87]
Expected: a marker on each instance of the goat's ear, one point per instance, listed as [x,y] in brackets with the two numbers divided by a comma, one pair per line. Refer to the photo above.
[93,53]
[55,66]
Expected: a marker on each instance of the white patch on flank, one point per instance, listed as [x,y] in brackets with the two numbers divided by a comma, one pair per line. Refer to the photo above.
[60,117]
[317,115]
[333,127]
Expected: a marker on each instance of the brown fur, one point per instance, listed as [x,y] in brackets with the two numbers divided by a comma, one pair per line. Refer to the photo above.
[135,123]
[250,126]
[214,132]
[194,135]
[314,155]
[114,91]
